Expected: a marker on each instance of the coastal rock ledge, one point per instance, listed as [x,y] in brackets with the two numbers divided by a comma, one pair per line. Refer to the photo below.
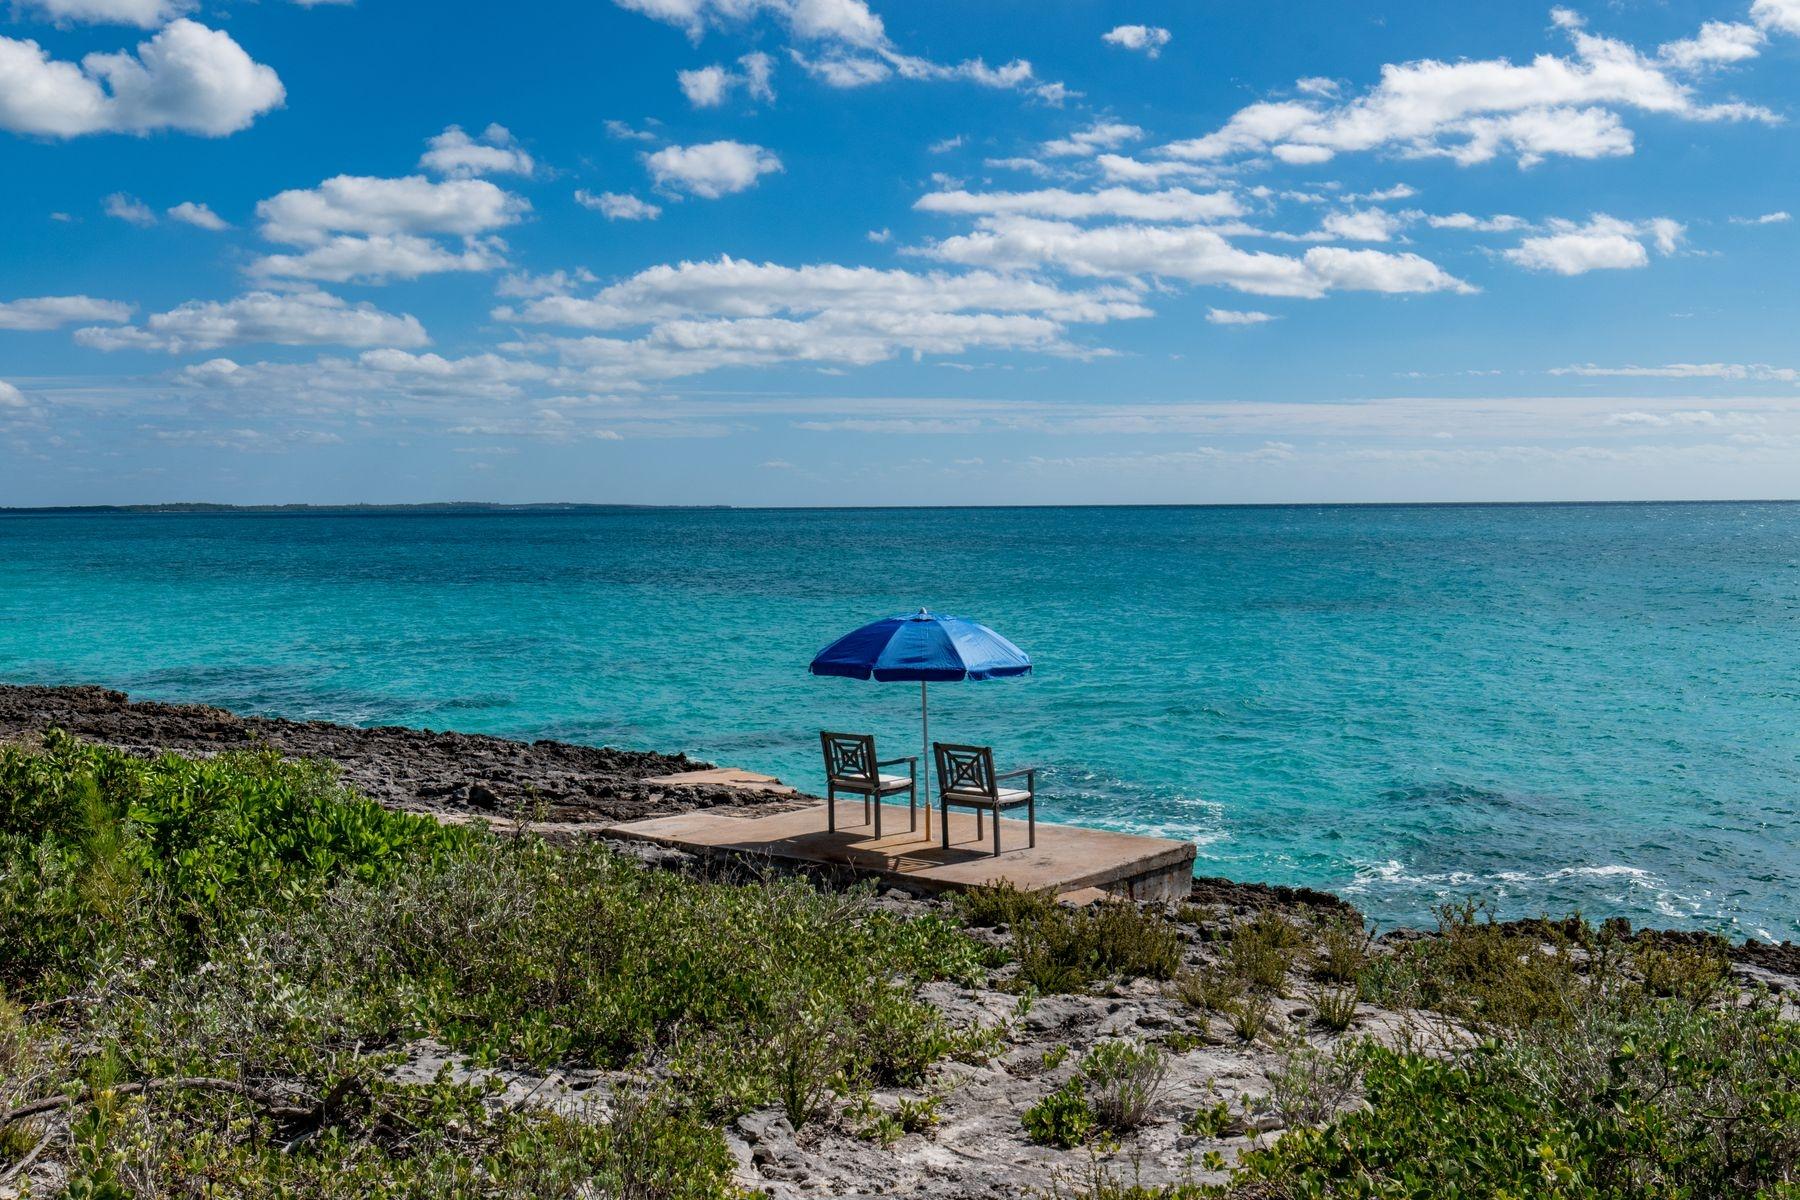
[416,769]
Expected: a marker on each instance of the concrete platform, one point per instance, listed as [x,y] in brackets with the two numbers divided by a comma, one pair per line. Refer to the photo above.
[1066,859]
[735,777]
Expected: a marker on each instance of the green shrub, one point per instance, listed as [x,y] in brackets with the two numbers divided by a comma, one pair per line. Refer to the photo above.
[1064,950]
[1334,1008]
[1342,950]
[1124,1081]
[1658,1100]
[1263,950]
[1063,1118]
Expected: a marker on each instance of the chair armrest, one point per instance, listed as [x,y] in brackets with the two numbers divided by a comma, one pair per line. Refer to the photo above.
[912,764]
[1032,771]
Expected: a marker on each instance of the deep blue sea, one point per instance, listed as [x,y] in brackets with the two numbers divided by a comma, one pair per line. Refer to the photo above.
[1549,707]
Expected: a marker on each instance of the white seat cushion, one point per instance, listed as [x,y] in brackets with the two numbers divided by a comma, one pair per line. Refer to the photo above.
[1008,796]
[889,783]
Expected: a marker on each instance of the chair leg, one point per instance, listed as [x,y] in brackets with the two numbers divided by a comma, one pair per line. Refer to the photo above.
[878,816]
[944,823]
[830,809]
[912,809]
[865,808]
[996,833]
[978,818]
[1031,821]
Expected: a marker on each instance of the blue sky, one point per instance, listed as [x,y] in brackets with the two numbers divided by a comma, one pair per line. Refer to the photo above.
[848,251]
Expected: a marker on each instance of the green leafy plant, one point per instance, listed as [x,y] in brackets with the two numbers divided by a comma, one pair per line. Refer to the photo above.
[1124,1081]
[1064,1118]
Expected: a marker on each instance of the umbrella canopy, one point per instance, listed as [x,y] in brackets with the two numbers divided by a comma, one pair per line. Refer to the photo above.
[925,647]
[922,646]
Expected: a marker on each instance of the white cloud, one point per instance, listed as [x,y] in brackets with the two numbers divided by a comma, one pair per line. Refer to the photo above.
[303,318]
[618,206]
[198,215]
[1603,243]
[187,78]
[145,14]
[1191,254]
[1771,218]
[701,316]
[847,21]
[40,313]
[495,152]
[129,209]
[1501,223]
[1316,85]
[380,258]
[945,145]
[620,131]
[1475,110]
[363,204]
[1717,43]
[709,87]
[1175,204]
[1735,372]
[1226,316]
[1150,39]
[854,49]
[1132,170]
[1782,15]
[711,169]
[10,396]
[1101,135]
[1361,225]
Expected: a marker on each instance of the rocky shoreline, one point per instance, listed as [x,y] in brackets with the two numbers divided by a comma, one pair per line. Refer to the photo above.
[421,770]
[559,786]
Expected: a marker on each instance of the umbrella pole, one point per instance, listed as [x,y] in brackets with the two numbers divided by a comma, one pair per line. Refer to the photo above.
[925,754]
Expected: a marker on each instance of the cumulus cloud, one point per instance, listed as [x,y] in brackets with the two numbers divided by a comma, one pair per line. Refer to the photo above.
[459,156]
[1149,39]
[700,316]
[1174,204]
[10,396]
[1361,225]
[187,78]
[1780,15]
[619,206]
[850,46]
[1603,243]
[1101,135]
[40,313]
[1500,223]
[304,318]
[1717,44]
[711,169]
[1473,111]
[145,14]
[128,208]
[1226,316]
[198,215]
[710,87]
[380,258]
[369,205]
[1770,218]
[1188,253]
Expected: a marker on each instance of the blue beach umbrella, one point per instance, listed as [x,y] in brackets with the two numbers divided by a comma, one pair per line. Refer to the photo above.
[926,647]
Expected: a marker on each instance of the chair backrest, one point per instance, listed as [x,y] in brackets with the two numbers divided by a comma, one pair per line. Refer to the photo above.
[965,770]
[849,756]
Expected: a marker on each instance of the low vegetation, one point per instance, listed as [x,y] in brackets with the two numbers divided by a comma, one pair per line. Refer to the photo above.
[230,977]
[213,971]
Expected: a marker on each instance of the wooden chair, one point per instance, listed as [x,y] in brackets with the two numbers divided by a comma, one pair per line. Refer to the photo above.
[852,768]
[966,779]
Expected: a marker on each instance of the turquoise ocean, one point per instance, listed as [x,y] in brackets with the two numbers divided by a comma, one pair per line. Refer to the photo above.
[1591,707]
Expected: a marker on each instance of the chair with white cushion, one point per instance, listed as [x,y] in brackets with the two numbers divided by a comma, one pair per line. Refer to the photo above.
[966,779]
[851,768]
